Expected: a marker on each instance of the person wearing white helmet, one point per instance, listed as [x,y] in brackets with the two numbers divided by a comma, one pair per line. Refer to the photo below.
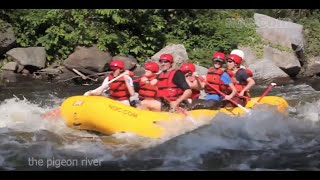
[240,53]
[242,78]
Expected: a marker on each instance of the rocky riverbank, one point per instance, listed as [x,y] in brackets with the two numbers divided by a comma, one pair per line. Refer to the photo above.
[283,58]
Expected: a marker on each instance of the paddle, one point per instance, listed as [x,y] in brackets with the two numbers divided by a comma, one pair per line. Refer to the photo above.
[265,93]
[114,79]
[56,112]
[222,94]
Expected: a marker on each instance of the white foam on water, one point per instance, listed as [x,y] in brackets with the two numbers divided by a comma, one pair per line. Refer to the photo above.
[187,141]
[20,115]
[309,111]
[19,118]
[262,130]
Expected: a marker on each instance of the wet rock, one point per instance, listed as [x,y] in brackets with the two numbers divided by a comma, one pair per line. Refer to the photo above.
[88,60]
[129,62]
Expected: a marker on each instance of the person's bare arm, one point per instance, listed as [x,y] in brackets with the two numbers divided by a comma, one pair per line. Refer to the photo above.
[233,93]
[129,84]
[251,83]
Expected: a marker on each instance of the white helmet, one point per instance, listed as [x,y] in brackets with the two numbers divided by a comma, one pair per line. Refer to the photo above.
[238,52]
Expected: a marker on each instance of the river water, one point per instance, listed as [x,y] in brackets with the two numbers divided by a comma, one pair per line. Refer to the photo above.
[260,141]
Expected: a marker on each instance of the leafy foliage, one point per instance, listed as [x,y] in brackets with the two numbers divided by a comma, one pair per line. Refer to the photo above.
[143,32]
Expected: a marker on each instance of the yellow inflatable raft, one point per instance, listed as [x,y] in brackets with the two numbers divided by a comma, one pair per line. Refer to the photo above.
[101,114]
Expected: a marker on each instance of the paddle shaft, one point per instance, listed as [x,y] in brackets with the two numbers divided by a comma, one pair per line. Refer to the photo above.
[266,91]
[262,96]
[222,94]
[114,79]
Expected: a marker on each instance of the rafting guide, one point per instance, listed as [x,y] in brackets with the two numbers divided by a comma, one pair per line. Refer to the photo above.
[60,163]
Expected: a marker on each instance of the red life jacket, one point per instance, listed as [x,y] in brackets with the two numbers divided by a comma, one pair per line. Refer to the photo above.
[118,89]
[249,72]
[166,87]
[146,90]
[232,76]
[195,93]
[214,79]
[239,85]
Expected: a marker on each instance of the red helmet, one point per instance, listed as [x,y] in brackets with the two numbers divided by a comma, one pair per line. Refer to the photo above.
[152,66]
[116,64]
[187,67]
[237,59]
[219,56]
[167,57]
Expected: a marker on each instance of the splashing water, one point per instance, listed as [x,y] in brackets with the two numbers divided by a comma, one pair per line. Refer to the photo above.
[265,140]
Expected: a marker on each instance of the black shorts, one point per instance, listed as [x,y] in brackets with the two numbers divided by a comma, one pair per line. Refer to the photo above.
[205,104]
[165,105]
[241,101]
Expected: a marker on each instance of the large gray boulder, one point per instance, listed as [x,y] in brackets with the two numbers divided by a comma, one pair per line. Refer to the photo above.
[88,60]
[178,51]
[201,70]
[267,71]
[276,31]
[287,61]
[139,71]
[129,62]
[32,56]
[7,37]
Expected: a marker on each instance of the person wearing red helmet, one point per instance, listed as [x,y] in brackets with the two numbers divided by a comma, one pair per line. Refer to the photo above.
[241,78]
[219,79]
[120,89]
[147,85]
[189,71]
[240,53]
[173,89]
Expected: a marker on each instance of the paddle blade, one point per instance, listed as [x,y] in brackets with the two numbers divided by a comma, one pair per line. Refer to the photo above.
[54,114]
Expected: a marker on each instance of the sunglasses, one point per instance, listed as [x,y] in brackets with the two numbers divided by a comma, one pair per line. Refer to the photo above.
[230,61]
[217,62]
[163,62]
